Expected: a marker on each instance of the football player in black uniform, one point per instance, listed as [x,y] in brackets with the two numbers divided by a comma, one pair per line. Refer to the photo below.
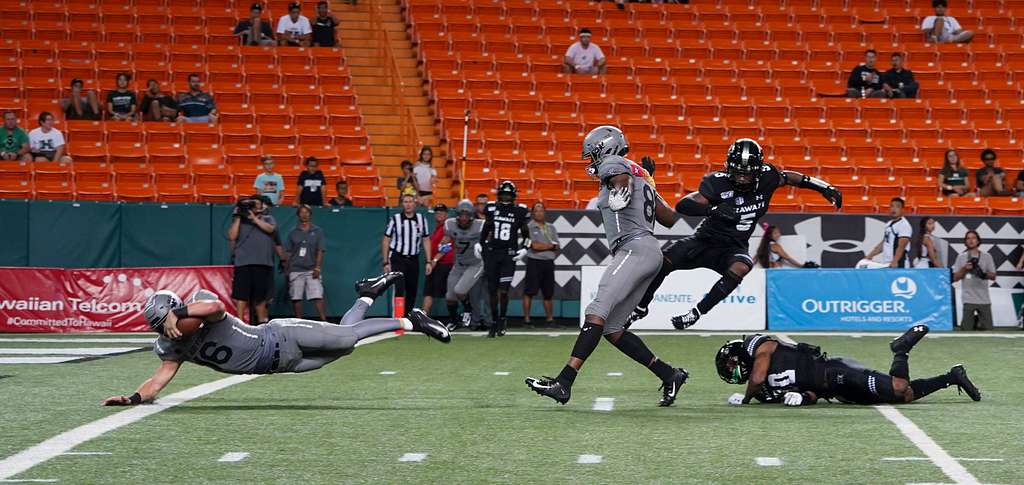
[731,202]
[799,375]
[504,240]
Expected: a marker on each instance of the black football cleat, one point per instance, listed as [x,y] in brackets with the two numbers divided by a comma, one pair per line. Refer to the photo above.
[910,338]
[434,329]
[376,286]
[549,387]
[670,388]
[959,377]
[686,320]
[638,313]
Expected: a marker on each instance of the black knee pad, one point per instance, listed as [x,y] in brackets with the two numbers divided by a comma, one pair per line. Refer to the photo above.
[728,282]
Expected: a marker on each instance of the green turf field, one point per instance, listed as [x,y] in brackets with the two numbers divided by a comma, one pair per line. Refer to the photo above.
[347,423]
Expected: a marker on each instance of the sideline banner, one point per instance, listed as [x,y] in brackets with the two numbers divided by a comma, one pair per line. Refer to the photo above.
[109,300]
[743,309]
[859,299]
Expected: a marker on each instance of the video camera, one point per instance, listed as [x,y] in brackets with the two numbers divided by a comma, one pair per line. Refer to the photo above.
[247,204]
[976,269]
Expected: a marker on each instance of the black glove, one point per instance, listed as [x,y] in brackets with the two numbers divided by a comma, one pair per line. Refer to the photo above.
[648,164]
[725,211]
[811,264]
[834,196]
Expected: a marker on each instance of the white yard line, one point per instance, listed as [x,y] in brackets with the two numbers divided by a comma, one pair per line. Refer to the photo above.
[768,461]
[67,351]
[501,373]
[74,340]
[952,468]
[589,459]
[30,480]
[38,360]
[88,453]
[387,372]
[413,457]
[233,456]
[604,404]
[614,374]
[67,440]
[922,458]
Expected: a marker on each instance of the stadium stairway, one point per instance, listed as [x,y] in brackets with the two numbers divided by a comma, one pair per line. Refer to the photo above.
[380,109]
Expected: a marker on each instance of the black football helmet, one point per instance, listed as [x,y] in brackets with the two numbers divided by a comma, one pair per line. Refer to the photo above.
[744,163]
[507,192]
[733,362]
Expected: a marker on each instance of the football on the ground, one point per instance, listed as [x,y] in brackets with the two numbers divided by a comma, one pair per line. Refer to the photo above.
[188,326]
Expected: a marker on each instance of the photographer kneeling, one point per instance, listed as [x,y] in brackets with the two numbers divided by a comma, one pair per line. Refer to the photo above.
[252,253]
[976,269]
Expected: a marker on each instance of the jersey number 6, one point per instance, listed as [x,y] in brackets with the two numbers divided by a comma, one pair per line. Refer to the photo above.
[211,353]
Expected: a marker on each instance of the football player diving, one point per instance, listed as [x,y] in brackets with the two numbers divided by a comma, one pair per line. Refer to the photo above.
[799,375]
[504,241]
[730,201]
[629,207]
[226,344]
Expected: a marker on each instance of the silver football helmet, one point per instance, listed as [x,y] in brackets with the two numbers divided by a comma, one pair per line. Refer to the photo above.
[602,141]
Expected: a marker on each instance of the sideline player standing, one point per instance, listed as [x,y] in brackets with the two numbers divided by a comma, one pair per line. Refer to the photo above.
[504,240]
[731,202]
[629,206]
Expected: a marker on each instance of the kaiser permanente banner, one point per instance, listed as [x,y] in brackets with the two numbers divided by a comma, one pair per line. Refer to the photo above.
[743,309]
[76,300]
[859,299]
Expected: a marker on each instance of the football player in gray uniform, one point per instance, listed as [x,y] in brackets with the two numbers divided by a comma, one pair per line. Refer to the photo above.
[462,235]
[226,344]
[629,207]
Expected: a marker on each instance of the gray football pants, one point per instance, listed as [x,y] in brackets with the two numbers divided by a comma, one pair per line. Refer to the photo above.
[624,282]
[307,345]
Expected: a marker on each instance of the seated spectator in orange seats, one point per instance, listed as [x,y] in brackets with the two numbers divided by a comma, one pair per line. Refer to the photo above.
[342,199]
[325,26]
[46,142]
[294,29]
[121,102]
[865,81]
[157,105]
[254,30]
[899,82]
[14,144]
[195,105]
[584,57]
[941,28]
[991,179]
[82,104]
[953,179]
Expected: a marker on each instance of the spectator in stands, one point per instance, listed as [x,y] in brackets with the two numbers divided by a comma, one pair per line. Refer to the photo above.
[121,102]
[1018,186]
[426,176]
[953,179]
[540,264]
[82,104]
[294,29]
[584,57]
[927,251]
[157,105]
[899,82]
[269,184]
[481,206]
[941,28]
[305,246]
[13,140]
[437,280]
[254,30]
[406,232]
[770,253]
[46,143]
[251,234]
[195,105]
[342,199]
[865,81]
[311,184]
[991,180]
[407,182]
[976,269]
[324,26]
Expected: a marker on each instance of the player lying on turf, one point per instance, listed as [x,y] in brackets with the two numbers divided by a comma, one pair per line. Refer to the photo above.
[226,344]
[799,375]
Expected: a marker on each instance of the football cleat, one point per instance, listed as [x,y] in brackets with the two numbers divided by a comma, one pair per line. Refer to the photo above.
[670,388]
[959,377]
[549,387]
[638,314]
[467,319]
[434,329]
[910,338]
[686,320]
[376,286]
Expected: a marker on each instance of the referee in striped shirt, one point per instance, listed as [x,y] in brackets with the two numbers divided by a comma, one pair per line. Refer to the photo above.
[406,233]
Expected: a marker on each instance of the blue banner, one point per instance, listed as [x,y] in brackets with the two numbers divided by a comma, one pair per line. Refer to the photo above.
[859,299]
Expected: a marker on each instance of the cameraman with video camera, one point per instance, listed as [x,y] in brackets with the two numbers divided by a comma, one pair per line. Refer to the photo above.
[252,253]
[976,269]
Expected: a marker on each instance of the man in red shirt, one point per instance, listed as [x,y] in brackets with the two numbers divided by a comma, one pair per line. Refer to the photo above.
[437,280]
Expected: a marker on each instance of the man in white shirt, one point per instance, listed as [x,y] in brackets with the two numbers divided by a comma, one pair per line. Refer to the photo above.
[294,29]
[46,143]
[894,245]
[942,28]
[584,57]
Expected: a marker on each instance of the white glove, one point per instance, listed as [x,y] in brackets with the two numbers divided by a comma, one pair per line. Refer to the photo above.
[736,399]
[520,255]
[793,399]
[477,250]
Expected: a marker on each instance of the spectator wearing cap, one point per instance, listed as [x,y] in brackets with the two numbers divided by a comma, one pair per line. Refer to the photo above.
[196,106]
[990,179]
[941,28]
[82,104]
[899,82]
[157,105]
[584,57]
[325,26]
[122,104]
[46,142]
[13,140]
[342,199]
[269,184]
[254,30]
[865,81]
[540,264]
[294,29]
[311,184]
[437,280]
[305,249]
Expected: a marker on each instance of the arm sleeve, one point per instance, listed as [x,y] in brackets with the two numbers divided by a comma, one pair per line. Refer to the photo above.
[240,27]
[390,230]
[854,80]
[280,25]
[447,228]
[708,190]
[928,23]
[554,234]
[961,260]
[988,265]
[600,53]
[904,230]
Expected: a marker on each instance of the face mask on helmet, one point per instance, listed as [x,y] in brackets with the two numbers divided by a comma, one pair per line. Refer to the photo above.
[601,142]
[731,364]
[158,305]
[744,163]
[507,192]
